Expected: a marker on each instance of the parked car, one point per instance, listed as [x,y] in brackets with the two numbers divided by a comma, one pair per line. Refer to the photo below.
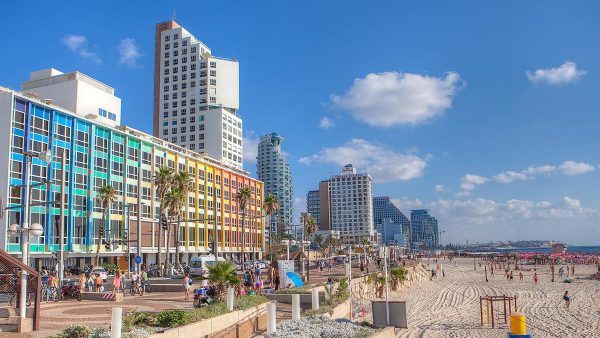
[98,270]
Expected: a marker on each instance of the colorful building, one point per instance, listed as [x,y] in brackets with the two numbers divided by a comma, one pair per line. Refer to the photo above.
[99,154]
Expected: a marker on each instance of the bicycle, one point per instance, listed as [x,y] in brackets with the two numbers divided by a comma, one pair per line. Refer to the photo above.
[49,292]
[135,288]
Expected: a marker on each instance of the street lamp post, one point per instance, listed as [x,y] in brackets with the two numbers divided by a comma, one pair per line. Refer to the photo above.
[287,243]
[138,235]
[36,230]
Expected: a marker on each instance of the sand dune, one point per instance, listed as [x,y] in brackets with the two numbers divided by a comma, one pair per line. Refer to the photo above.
[449,307]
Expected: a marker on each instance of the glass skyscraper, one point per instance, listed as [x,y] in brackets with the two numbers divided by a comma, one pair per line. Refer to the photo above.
[424,229]
[274,170]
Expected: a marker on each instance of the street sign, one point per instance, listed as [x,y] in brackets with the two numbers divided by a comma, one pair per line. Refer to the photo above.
[138,259]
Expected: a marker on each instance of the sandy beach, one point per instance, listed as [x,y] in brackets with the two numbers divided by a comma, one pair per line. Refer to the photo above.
[449,307]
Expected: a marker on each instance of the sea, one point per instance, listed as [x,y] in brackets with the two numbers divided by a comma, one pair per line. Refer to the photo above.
[570,249]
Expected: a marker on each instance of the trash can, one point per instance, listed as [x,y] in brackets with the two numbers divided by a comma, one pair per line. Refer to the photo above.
[517,324]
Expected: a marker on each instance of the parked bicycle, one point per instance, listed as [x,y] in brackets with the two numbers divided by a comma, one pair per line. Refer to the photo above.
[49,293]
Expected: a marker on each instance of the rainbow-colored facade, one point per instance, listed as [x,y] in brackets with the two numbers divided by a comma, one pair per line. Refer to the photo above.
[98,155]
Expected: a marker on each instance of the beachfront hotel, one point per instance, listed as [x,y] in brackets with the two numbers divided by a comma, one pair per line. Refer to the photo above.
[424,229]
[196,96]
[390,222]
[78,116]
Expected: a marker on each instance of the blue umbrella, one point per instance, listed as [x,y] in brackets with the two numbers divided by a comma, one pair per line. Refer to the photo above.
[295,278]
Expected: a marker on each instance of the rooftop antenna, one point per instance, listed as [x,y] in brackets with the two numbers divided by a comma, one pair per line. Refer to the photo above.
[173,18]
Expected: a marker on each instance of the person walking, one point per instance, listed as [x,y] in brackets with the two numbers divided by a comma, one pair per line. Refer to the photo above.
[122,284]
[116,283]
[81,282]
[277,280]
[567,299]
[535,278]
[258,284]
[520,275]
[98,282]
[187,284]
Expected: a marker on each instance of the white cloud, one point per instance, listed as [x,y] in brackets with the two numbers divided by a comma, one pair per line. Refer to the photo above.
[439,188]
[480,219]
[565,73]
[510,176]
[129,52]
[78,45]
[326,123]
[542,169]
[470,181]
[575,168]
[250,142]
[391,98]
[384,164]
[74,42]
[573,203]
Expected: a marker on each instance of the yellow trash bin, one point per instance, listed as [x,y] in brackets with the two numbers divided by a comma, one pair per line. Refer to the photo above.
[517,323]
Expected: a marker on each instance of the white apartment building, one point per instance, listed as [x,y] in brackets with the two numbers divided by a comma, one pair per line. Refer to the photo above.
[76,92]
[351,205]
[196,96]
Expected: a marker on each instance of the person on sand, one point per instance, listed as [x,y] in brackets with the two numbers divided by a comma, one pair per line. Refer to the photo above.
[567,299]
[511,275]
[535,278]
[520,275]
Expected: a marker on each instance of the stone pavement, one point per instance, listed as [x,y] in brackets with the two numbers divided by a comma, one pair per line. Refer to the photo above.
[57,315]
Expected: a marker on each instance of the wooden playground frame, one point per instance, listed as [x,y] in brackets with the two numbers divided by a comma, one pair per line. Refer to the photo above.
[507,302]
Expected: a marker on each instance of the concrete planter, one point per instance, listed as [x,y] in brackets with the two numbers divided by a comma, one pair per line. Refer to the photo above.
[305,299]
[209,326]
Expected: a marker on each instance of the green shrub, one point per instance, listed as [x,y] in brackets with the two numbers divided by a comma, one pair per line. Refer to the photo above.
[173,318]
[110,268]
[75,331]
[322,310]
[249,301]
[135,318]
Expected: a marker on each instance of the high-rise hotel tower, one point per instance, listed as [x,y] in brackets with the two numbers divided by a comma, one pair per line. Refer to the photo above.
[196,96]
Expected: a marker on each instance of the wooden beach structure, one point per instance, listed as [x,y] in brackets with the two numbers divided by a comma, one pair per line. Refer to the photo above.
[504,306]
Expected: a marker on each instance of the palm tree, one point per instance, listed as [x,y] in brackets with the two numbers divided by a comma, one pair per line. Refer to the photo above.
[270,205]
[173,206]
[310,226]
[222,275]
[163,179]
[243,197]
[183,181]
[107,194]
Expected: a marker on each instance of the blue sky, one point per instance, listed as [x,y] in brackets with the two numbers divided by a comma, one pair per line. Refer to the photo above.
[486,113]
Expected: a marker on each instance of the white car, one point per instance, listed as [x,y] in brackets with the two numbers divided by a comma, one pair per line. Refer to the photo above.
[98,270]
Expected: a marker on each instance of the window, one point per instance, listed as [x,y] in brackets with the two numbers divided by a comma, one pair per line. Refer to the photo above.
[167,46]
[167,38]
[166,54]
[213,82]
[82,138]
[213,64]
[213,73]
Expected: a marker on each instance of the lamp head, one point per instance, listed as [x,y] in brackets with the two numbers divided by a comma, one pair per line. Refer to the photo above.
[45,156]
[14,230]
[36,230]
